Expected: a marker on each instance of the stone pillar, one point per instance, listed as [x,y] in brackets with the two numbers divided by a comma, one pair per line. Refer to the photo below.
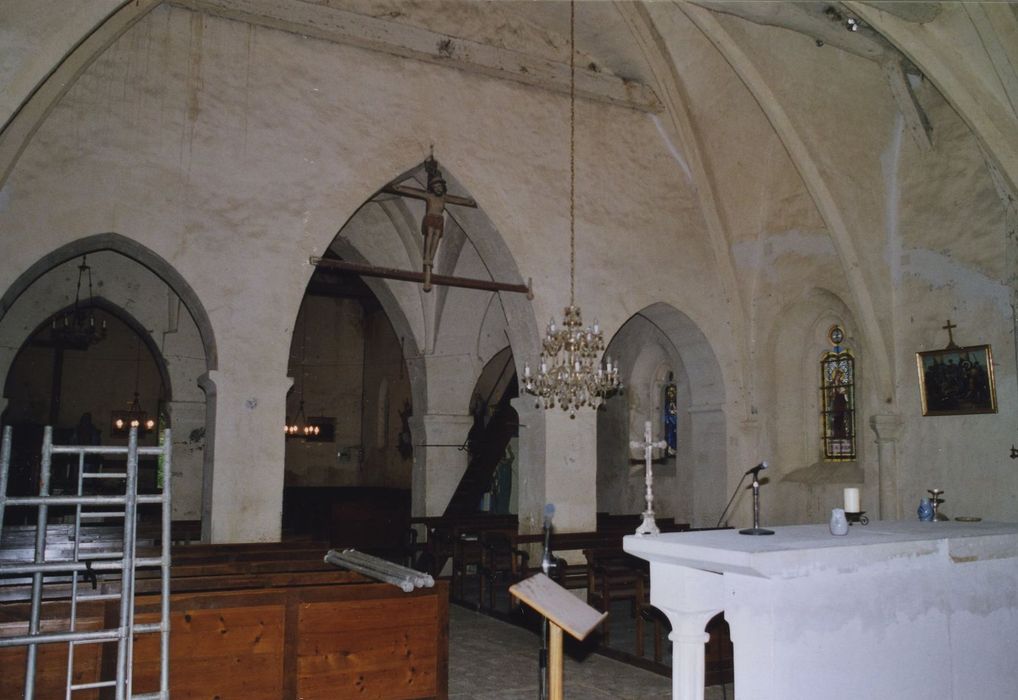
[187,419]
[888,429]
[531,489]
[245,502]
[439,463]
[689,598]
[570,469]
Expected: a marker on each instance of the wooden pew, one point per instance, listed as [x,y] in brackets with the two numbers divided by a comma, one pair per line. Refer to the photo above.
[258,625]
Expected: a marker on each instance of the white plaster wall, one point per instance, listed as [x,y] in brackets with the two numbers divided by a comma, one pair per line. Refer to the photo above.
[234,152]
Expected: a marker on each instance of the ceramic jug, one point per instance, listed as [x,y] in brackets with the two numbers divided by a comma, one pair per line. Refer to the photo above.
[839,523]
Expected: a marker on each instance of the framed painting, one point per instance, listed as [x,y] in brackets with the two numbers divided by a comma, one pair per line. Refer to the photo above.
[956,381]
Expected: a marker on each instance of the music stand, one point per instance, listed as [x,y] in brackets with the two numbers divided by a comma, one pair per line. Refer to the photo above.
[564,612]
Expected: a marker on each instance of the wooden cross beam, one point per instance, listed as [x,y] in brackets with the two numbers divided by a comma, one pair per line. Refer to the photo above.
[411,276]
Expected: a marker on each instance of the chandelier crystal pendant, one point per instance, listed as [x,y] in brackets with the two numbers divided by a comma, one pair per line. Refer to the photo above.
[569,374]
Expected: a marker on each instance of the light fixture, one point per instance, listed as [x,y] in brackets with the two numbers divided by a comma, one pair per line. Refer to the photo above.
[77,327]
[570,374]
[134,416]
[301,427]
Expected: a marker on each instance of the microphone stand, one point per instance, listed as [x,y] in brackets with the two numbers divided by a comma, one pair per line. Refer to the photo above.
[756,529]
[547,566]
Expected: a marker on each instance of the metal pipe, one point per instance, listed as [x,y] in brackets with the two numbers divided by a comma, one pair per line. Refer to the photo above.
[104,450]
[40,556]
[336,559]
[123,689]
[74,578]
[5,466]
[377,568]
[411,276]
[31,640]
[73,566]
[83,500]
[419,578]
[164,632]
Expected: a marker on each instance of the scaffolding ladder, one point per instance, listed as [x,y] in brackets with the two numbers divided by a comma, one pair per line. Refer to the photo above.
[88,506]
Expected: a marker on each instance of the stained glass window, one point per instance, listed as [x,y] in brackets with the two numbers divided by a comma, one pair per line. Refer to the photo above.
[671,416]
[837,400]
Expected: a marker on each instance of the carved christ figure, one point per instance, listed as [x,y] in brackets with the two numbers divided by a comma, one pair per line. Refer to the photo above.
[433,224]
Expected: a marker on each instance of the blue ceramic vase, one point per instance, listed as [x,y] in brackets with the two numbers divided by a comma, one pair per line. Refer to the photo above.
[925,511]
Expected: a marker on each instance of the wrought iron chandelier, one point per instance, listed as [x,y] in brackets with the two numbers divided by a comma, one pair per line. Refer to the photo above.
[570,374]
[134,416]
[77,326]
[301,427]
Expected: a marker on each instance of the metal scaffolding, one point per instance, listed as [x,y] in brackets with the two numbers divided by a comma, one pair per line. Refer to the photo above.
[90,506]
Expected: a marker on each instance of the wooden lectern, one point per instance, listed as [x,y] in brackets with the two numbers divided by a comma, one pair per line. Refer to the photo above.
[564,612]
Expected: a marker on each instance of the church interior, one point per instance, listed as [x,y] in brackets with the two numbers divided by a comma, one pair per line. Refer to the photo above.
[320,241]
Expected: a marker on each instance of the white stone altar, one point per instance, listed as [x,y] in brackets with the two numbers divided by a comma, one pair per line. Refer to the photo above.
[892,610]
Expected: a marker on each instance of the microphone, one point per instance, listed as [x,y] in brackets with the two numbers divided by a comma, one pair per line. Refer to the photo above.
[757,469]
[549,513]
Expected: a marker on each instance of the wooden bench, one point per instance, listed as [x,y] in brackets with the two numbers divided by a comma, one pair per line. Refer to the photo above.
[258,625]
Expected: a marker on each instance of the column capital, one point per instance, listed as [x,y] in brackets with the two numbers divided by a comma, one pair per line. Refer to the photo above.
[887,426]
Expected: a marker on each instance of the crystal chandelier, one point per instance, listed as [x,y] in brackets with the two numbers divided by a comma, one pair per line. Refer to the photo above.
[570,374]
[77,327]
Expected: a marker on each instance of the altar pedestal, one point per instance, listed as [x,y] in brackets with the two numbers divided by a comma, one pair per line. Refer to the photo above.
[890,611]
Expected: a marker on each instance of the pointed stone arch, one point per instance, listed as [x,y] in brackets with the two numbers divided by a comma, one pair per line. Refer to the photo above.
[131,322]
[692,487]
[446,350]
[198,415]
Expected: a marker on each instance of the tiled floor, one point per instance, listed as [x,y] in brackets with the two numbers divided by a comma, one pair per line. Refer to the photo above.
[494,660]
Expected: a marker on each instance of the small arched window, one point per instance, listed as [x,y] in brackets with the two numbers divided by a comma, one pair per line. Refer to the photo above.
[837,400]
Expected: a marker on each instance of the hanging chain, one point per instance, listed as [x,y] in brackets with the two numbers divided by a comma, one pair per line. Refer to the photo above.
[572,152]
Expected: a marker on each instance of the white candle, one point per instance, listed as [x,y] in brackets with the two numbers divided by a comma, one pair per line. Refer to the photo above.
[852,500]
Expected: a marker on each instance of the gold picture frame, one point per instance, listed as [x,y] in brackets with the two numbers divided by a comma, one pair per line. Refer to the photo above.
[957,381]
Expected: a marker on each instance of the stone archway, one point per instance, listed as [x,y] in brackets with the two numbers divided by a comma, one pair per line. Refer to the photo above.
[692,486]
[448,334]
[145,288]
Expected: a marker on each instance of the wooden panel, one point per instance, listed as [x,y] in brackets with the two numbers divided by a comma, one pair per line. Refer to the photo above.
[51,664]
[386,663]
[385,648]
[324,619]
[225,652]
[288,638]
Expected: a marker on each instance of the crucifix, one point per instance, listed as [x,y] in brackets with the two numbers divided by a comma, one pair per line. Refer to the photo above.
[435,199]
[950,336]
[648,526]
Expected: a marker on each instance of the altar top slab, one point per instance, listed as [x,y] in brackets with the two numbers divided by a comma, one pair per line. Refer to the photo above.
[806,550]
